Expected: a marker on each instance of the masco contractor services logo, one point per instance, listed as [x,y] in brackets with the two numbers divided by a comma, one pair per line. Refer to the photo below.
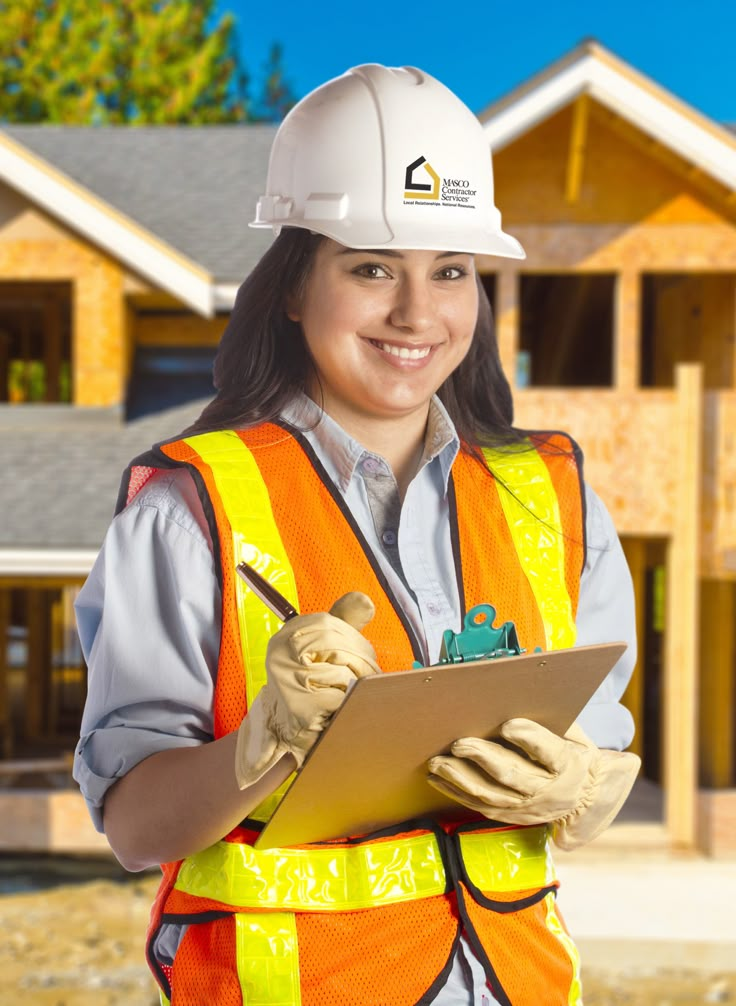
[421,182]
[420,189]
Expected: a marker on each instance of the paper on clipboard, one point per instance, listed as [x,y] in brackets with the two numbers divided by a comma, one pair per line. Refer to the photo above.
[369,768]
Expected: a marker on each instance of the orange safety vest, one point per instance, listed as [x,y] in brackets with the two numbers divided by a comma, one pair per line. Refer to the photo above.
[373,919]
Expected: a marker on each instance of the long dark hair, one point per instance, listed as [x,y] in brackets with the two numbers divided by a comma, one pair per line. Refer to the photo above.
[262,358]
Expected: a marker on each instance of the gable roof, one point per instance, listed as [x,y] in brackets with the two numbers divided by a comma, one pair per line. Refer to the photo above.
[593,70]
[171,202]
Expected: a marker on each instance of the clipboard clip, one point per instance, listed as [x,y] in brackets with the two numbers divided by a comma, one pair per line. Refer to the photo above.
[478,639]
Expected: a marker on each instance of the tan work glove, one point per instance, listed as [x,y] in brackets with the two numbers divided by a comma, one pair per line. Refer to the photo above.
[566,781]
[311,662]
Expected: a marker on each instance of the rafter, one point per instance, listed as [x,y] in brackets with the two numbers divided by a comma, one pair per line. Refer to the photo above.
[576,152]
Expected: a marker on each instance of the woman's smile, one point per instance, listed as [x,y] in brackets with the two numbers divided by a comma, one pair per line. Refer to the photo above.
[402,353]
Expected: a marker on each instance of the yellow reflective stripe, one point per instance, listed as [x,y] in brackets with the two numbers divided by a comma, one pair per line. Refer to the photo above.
[267,958]
[311,880]
[508,860]
[246,502]
[162,998]
[557,928]
[532,511]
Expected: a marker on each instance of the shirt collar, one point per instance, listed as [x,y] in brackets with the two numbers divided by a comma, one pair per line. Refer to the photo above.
[340,453]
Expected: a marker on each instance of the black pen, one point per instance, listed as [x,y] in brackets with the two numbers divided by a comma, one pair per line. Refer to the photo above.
[260,586]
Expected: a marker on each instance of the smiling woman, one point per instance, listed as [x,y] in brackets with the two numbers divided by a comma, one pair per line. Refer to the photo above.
[384,330]
[360,454]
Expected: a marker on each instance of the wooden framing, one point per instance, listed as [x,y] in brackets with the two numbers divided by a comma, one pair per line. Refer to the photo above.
[576,154]
[717,684]
[682,605]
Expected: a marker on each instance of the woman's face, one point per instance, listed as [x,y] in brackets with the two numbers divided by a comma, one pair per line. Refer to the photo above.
[384,328]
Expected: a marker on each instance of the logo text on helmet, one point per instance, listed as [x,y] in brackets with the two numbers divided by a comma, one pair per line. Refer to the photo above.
[421,190]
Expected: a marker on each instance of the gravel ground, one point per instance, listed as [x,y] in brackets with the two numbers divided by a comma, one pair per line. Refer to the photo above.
[81,945]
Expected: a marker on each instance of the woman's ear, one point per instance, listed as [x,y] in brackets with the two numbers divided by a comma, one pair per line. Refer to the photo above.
[293,308]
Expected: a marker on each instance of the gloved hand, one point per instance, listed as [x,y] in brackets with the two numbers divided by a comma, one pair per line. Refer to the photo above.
[311,662]
[566,781]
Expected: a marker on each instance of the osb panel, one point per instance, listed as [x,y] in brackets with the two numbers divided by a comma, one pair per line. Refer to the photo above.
[628,440]
[99,357]
[177,330]
[625,176]
[719,481]
[610,248]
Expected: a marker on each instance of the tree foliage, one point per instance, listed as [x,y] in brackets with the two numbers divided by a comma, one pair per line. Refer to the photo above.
[119,61]
[277,97]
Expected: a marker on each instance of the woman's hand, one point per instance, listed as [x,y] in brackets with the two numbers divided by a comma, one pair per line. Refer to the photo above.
[566,781]
[311,663]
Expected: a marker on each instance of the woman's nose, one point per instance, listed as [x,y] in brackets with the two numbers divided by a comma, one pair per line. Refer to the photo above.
[413,309]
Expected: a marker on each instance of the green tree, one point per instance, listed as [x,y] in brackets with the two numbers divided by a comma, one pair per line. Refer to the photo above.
[277,97]
[119,61]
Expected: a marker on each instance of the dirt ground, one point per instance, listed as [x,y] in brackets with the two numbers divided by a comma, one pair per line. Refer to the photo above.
[81,945]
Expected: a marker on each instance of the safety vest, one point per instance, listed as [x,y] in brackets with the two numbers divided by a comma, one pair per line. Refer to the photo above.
[373,919]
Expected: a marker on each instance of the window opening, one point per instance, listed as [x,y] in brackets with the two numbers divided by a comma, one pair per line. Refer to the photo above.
[566,331]
[167,376]
[687,318]
[35,342]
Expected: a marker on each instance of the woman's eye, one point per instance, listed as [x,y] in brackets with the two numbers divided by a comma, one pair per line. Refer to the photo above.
[371,270]
[452,272]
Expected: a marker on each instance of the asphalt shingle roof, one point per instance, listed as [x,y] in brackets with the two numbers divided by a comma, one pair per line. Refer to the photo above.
[194,187]
[63,467]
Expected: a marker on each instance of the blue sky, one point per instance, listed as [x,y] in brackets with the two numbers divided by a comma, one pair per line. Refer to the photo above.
[482,50]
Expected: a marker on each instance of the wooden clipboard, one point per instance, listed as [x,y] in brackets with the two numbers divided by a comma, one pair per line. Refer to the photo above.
[368,769]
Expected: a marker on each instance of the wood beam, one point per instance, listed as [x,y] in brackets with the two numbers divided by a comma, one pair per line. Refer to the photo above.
[717,685]
[682,613]
[627,331]
[37,668]
[508,319]
[576,151]
[635,550]
[52,336]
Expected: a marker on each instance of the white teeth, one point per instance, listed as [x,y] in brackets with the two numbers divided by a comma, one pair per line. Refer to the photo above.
[404,353]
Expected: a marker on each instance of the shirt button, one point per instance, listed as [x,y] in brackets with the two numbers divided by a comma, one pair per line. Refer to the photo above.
[388,537]
[433,609]
[372,466]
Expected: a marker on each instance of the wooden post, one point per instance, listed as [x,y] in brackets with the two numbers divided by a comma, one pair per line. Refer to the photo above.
[636,554]
[52,346]
[576,151]
[37,671]
[682,612]
[627,331]
[717,686]
[508,320]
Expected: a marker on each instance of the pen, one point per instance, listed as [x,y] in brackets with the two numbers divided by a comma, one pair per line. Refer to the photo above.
[260,586]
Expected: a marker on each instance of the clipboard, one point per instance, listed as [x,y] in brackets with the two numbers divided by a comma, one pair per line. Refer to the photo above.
[368,769]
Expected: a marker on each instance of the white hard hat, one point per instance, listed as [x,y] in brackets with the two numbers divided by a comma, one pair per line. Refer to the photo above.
[385,157]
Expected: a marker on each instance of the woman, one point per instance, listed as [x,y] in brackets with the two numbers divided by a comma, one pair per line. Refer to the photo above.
[360,453]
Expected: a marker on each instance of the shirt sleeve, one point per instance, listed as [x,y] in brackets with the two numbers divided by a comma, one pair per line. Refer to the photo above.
[606,614]
[149,624]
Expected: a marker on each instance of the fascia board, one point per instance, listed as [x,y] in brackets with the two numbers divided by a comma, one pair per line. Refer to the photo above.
[665,123]
[224,296]
[523,115]
[85,213]
[628,99]
[46,561]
